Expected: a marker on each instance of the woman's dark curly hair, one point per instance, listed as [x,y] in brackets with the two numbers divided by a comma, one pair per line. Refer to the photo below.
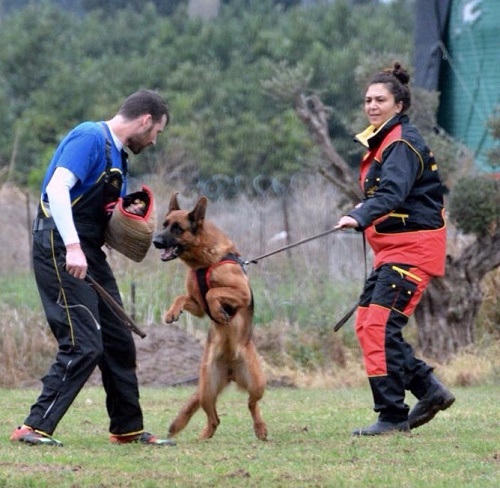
[396,79]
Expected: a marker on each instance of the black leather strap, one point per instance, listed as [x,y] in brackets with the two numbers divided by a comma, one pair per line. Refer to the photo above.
[43,224]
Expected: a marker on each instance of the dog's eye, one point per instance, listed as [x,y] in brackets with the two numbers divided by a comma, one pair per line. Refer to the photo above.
[176,229]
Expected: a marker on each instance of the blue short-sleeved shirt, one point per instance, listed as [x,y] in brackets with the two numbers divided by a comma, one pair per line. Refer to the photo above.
[83,152]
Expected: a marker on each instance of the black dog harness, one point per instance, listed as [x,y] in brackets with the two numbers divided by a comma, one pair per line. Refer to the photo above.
[203,276]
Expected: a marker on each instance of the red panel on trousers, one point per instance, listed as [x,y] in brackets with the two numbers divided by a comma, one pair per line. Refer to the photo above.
[372,339]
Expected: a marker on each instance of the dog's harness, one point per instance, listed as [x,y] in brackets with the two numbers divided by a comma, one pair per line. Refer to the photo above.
[203,276]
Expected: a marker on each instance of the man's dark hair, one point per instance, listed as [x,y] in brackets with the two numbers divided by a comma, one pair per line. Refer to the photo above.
[145,102]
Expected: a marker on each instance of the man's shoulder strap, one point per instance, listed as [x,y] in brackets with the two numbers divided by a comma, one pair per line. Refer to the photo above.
[109,161]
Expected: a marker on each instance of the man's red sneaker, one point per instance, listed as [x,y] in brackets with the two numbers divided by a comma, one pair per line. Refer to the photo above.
[143,438]
[33,437]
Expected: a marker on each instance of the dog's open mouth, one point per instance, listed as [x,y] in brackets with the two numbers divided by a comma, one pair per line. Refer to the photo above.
[170,248]
[169,253]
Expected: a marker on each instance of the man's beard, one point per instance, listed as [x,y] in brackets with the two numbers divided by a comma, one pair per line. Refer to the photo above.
[137,143]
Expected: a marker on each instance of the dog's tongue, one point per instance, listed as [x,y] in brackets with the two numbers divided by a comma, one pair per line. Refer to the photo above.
[167,254]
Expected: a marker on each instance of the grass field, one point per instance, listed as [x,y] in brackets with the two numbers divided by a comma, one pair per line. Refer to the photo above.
[309,444]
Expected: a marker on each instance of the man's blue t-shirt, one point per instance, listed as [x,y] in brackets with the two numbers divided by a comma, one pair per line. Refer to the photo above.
[83,152]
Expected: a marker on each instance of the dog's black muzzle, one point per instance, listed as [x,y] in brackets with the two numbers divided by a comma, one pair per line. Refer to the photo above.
[171,249]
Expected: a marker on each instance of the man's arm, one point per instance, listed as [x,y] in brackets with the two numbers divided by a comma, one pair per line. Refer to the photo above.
[60,207]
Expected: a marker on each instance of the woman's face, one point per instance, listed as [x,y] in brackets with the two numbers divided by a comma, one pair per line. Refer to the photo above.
[380,104]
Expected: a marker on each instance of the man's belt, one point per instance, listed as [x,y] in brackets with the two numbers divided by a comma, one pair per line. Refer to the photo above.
[43,224]
[47,223]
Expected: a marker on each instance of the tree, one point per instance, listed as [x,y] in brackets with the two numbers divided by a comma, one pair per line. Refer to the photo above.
[446,314]
[59,67]
[109,7]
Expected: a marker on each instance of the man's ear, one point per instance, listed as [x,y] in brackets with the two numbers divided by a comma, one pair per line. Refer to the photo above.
[147,121]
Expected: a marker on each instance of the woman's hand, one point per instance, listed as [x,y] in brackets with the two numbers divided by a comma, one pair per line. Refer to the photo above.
[346,222]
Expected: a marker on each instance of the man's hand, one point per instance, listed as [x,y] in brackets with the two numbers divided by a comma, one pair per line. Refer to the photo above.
[76,262]
[137,207]
[109,208]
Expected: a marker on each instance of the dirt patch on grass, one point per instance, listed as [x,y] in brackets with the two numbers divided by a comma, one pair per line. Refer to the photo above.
[168,356]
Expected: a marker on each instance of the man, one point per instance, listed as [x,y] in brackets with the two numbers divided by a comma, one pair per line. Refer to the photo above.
[86,176]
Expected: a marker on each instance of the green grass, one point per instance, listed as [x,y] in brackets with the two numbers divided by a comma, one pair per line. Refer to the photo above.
[19,290]
[309,444]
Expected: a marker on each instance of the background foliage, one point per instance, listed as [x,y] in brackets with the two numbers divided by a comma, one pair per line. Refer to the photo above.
[63,62]
[61,66]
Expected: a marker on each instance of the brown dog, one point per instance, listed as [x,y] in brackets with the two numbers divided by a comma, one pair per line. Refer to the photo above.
[216,285]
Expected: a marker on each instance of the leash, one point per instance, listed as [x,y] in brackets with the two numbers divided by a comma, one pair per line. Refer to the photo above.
[115,307]
[290,246]
[351,311]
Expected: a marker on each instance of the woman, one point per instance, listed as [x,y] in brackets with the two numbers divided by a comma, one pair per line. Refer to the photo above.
[402,218]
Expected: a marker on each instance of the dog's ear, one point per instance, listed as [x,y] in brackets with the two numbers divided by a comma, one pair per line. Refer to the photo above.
[197,215]
[174,204]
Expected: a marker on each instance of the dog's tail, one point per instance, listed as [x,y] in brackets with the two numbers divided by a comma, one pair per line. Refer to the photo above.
[184,416]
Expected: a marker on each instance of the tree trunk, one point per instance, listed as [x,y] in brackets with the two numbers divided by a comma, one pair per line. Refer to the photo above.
[446,314]
[314,114]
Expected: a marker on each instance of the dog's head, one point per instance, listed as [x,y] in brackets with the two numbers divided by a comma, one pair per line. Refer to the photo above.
[180,229]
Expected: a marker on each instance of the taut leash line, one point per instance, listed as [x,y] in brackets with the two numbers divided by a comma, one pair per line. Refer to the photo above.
[290,246]
[348,315]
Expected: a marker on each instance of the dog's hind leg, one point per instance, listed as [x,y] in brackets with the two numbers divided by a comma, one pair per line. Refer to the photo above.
[212,381]
[213,420]
[259,426]
[184,416]
[251,378]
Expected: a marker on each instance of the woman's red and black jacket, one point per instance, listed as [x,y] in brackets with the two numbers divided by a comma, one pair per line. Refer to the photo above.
[402,213]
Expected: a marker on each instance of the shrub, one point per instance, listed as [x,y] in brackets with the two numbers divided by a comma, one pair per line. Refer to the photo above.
[475,205]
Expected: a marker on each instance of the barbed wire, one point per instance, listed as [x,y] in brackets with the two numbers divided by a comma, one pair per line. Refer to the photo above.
[221,186]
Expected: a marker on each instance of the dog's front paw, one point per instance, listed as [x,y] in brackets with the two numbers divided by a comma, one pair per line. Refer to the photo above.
[172,315]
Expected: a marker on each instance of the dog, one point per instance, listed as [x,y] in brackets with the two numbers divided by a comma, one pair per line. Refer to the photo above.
[217,286]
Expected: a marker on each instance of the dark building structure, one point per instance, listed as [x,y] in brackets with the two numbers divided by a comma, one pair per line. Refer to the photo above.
[457,52]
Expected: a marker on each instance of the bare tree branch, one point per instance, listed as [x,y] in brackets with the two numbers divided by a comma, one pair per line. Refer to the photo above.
[314,114]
